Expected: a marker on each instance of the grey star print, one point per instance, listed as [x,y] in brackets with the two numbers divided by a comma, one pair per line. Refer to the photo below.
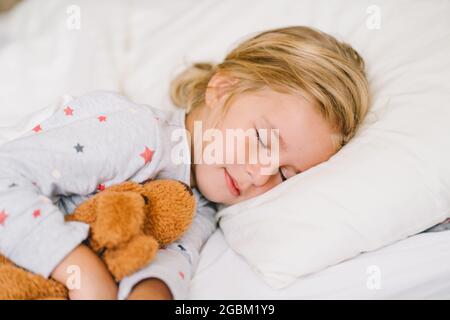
[79,148]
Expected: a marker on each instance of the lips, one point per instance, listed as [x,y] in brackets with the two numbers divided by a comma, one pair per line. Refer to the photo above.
[231,184]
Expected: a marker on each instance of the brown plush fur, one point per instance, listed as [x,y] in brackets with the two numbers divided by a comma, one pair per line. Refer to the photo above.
[128,222]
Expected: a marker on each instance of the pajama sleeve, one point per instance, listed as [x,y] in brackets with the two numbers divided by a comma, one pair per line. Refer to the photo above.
[81,149]
[176,264]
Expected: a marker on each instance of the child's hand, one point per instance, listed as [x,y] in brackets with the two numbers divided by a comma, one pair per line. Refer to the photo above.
[151,289]
[82,266]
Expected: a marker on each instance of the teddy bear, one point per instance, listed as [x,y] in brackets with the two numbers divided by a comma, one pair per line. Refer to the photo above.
[128,222]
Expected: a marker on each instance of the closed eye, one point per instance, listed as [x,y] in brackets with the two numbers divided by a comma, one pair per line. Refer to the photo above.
[280,171]
[283,177]
[288,173]
[259,138]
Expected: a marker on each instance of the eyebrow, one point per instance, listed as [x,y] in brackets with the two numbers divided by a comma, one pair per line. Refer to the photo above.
[277,133]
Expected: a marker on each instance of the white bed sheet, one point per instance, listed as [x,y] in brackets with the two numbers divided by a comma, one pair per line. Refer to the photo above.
[415,268]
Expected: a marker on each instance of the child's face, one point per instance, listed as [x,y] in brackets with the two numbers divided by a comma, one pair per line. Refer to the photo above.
[307,142]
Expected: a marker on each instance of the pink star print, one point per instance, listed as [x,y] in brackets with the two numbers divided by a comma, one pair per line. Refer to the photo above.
[101,187]
[147,154]
[37,213]
[68,111]
[101,118]
[37,128]
[181,274]
[3,217]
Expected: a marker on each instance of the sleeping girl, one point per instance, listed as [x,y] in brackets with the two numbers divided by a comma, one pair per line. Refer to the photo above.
[296,81]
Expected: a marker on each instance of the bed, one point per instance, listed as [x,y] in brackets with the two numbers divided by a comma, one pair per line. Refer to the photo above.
[414,268]
[138,57]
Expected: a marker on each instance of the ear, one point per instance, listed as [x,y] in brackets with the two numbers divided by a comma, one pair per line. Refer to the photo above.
[218,87]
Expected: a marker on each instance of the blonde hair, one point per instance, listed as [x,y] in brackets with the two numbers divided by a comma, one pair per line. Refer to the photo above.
[298,60]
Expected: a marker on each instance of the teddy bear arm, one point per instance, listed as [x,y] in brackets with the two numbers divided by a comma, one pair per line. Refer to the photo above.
[120,216]
[130,256]
[85,212]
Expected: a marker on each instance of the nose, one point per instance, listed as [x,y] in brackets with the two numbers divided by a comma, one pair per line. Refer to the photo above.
[257,175]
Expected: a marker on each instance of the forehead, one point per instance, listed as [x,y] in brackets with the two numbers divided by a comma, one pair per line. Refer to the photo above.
[265,99]
[286,111]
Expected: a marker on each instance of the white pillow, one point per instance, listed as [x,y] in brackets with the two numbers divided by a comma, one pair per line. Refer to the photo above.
[391,181]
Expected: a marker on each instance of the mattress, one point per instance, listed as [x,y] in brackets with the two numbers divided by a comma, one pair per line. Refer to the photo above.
[414,268]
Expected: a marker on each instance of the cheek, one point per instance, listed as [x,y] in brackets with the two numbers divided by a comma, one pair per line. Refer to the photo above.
[208,181]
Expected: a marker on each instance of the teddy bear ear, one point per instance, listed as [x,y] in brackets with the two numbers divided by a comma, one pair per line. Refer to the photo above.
[125,186]
[187,188]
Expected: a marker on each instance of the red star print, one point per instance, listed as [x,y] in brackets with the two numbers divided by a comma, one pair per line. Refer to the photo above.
[68,111]
[147,154]
[37,128]
[181,274]
[101,187]
[3,217]
[101,118]
[37,213]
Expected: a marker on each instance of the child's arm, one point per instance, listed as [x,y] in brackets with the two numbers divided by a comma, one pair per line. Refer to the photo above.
[151,289]
[90,280]
[169,275]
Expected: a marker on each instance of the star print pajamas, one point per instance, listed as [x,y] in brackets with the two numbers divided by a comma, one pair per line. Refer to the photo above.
[96,140]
